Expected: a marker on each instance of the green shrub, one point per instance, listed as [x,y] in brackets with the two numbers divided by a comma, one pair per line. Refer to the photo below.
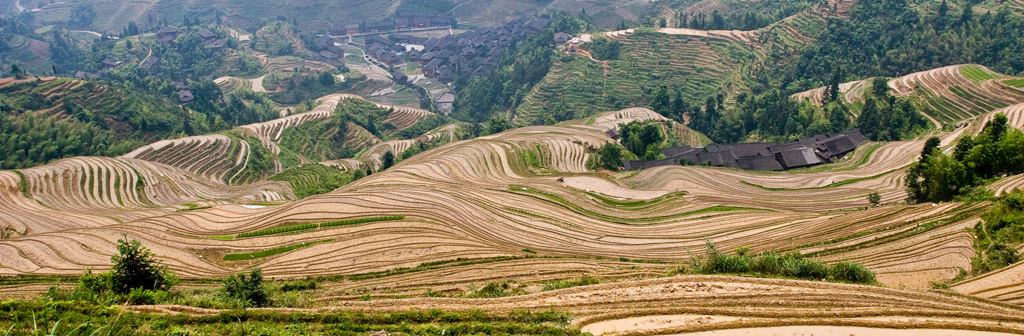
[582,281]
[247,289]
[136,267]
[771,264]
[299,285]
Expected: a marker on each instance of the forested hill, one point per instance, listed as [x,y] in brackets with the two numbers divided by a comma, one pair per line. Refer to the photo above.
[49,118]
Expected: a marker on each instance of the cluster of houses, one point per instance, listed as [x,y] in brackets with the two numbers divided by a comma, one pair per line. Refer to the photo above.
[806,152]
[169,34]
[474,52]
[164,35]
[327,51]
[405,20]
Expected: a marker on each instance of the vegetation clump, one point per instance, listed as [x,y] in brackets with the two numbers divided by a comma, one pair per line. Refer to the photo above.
[247,289]
[771,264]
[137,277]
[939,177]
[999,233]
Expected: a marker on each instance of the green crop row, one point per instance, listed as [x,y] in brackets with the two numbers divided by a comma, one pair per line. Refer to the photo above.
[314,226]
[270,252]
[976,73]
[1017,83]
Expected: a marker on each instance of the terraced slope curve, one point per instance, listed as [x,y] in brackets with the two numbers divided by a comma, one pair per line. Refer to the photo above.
[88,192]
[704,303]
[483,198]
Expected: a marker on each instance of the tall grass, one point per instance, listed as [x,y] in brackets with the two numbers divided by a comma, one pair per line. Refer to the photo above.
[771,264]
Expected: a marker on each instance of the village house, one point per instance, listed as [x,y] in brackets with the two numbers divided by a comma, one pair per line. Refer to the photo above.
[767,156]
[167,34]
[445,101]
[184,95]
[562,38]
[207,36]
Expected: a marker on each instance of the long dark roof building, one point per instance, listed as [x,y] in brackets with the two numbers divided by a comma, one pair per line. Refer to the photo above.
[806,152]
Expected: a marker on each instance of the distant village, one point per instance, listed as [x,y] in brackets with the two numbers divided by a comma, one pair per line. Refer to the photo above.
[390,44]
[766,156]
[474,52]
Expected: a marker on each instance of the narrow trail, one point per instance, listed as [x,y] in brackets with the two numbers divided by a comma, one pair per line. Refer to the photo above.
[459,5]
[17,6]
[591,57]
[94,33]
[148,55]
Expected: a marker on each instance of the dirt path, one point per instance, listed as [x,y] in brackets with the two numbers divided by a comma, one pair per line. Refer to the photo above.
[257,84]
[591,57]
[459,5]
[94,33]
[17,6]
[148,55]
[240,37]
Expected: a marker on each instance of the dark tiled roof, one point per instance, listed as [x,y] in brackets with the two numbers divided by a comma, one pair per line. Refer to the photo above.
[759,163]
[721,158]
[796,158]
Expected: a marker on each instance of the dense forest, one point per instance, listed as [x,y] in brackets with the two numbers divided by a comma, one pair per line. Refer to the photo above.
[891,38]
[940,177]
[522,65]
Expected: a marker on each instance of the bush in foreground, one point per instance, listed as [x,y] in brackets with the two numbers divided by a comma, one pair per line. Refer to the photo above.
[247,289]
[771,264]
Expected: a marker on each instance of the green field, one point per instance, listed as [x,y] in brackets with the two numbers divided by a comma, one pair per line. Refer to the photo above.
[270,252]
[977,73]
[1017,83]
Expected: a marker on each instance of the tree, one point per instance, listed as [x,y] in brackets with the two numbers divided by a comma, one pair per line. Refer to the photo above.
[136,267]
[662,103]
[874,198]
[387,161]
[82,14]
[17,71]
[133,28]
[498,124]
[611,156]
[931,146]
[247,289]
[326,79]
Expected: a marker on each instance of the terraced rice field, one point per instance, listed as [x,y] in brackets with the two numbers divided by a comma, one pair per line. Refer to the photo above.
[700,64]
[405,117]
[702,303]
[952,94]
[479,198]
[478,211]
[850,92]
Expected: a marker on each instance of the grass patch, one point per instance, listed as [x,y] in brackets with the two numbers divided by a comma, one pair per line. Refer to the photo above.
[569,283]
[771,264]
[633,203]
[836,184]
[61,317]
[314,226]
[542,195]
[192,206]
[263,204]
[270,252]
[221,237]
[977,73]
[1017,83]
[22,183]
